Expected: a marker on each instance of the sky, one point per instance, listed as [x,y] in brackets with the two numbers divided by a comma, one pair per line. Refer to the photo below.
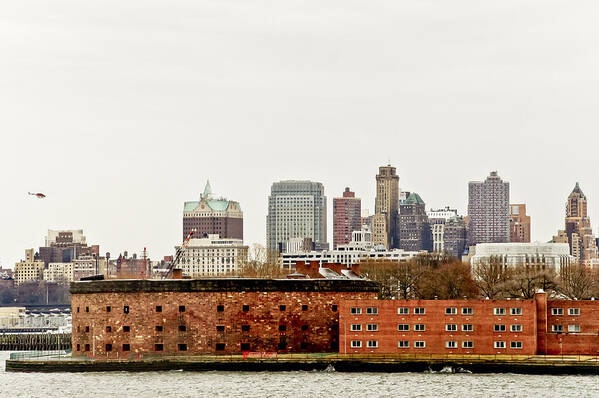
[120,111]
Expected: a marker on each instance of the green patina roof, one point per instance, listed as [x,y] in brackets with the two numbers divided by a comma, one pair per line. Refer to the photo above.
[207,190]
[414,198]
[216,205]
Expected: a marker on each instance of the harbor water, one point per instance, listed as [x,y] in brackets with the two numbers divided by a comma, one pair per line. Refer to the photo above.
[291,384]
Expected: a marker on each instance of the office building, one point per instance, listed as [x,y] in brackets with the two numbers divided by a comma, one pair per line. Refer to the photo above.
[346,217]
[414,228]
[519,224]
[489,210]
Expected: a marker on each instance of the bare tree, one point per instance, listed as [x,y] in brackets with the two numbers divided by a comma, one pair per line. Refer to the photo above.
[576,282]
[450,280]
[490,278]
[523,281]
[261,264]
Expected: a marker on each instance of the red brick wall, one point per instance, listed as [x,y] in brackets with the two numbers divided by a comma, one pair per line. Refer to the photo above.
[435,321]
[586,341]
[201,319]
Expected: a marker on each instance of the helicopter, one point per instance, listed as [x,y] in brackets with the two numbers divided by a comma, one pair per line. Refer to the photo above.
[38,195]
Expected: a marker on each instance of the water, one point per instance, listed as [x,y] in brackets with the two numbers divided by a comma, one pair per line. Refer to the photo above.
[290,384]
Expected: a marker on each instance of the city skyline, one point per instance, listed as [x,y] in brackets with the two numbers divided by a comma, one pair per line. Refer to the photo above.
[121,119]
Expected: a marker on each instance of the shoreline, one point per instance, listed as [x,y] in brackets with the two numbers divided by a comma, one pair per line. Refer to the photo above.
[551,365]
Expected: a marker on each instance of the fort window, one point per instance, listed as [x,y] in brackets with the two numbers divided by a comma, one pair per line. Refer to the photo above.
[220,328]
[126,329]
[467,344]
[403,311]
[451,327]
[108,347]
[282,308]
[334,308]
[220,346]
[182,347]
[419,327]
[355,311]
[515,311]
[220,308]
[282,345]
[245,346]
[335,328]
[557,328]
[158,308]
[557,311]
[109,329]
[403,327]
[499,311]
[126,309]
[499,328]
[78,328]
[182,328]
[245,328]
[467,311]
[573,311]
[245,308]
[419,344]
[181,308]
[451,344]
[516,345]
[87,329]
[158,347]
[108,308]
[78,347]
[77,309]
[86,309]
[372,310]
[451,311]
[356,344]
[403,344]
[303,345]
[282,328]
[419,311]
[372,344]
[159,328]
[86,347]
[515,328]
[304,327]
[304,307]
[467,327]
[499,344]
[126,347]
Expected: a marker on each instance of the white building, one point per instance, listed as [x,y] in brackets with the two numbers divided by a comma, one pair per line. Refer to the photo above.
[445,214]
[550,255]
[212,256]
[59,272]
[30,269]
[77,234]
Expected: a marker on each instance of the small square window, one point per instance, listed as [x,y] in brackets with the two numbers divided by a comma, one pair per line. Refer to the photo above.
[282,307]
[419,327]
[86,309]
[77,309]
[158,308]
[244,308]
[245,328]
[516,345]
[419,344]
[451,327]
[220,328]
[403,344]
[451,344]
[499,328]
[372,327]
[515,328]
[304,307]
[182,328]
[499,344]
[334,308]
[574,311]
[221,308]
[108,347]
[108,329]
[467,311]
[126,329]
[355,311]
[573,328]
[515,311]
[126,347]
[126,309]
[86,347]
[159,328]
[467,327]
[282,346]
[282,328]
[181,308]
[557,328]
[372,344]
[403,311]
[499,311]
[356,344]
[182,347]
[451,311]
[245,346]
[557,311]
[372,310]
[220,346]
[467,344]
[87,329]
[403,327]
[108,308]
[304,327]
[303,345]
[419,311]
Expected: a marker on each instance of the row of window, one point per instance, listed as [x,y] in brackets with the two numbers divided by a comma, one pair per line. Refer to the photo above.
[448,311]
[373,327]
[183,347]
[219,328]
[560,328]
[448,344]
[560,311]
[219,308]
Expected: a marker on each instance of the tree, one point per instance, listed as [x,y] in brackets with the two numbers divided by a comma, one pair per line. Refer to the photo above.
[451,280]
[576,282]
[490,278]
[523,281]
[261,264]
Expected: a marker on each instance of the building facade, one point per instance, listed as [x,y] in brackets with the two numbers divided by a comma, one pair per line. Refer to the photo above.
[546,255]
[519,224]
[489,211]
[347,217]
[211,215]
[386,207]
[30,269]
[296,209]
[414,229]
[59,273]
[213,256]
[209,316]
[583,245]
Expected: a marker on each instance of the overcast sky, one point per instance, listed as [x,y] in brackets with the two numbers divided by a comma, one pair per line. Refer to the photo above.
[120,110]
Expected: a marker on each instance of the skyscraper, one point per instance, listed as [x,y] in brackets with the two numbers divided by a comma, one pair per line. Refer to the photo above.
[296,209]
[347,217]
[519,224]
[489,210]
[414,228]
[578,228]
[211,215]
[384,222]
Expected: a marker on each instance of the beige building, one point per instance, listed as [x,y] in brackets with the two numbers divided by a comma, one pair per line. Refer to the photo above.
[386,207]
[29,269]
[519,224]
[213,256]
[59,273]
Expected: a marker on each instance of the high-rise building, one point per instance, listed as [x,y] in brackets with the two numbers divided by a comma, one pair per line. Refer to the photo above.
[448,231]
[64,246]
[212,215]
[519,224]
[384,222]
[30,269]
[489,210]
[583,245]
[414,228]
[296,209]
[347,217]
